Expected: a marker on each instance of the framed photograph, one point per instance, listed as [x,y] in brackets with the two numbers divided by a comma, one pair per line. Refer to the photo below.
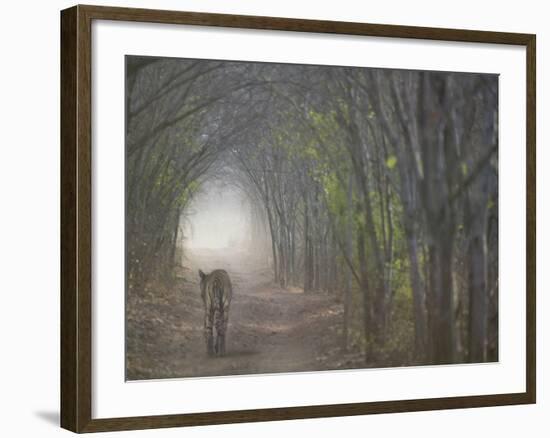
[272,218]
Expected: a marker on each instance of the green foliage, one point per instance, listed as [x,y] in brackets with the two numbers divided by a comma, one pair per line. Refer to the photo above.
[391,161]
[399,346]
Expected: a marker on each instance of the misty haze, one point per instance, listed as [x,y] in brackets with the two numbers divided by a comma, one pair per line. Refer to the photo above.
[286,218]
[218,218]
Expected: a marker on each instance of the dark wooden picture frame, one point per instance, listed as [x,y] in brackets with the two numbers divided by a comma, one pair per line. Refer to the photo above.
[76,218]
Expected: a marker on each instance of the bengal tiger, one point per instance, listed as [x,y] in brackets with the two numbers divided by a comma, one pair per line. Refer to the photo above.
[216,294]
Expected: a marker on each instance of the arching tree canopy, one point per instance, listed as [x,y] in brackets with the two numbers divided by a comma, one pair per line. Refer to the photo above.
[377,186]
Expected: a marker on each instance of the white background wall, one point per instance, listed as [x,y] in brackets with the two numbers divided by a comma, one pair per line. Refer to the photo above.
[29,223]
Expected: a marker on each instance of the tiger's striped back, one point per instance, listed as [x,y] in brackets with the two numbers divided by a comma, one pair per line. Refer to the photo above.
[216,293]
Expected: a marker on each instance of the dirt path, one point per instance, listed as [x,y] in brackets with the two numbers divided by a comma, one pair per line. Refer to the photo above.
[270,329]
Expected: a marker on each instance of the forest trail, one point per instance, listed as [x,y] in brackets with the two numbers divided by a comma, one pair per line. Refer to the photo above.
[270,329]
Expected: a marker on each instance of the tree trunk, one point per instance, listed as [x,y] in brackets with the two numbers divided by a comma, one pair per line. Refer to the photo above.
[367,316]
[443,330]
[349,255]
[419,304]
[476,209]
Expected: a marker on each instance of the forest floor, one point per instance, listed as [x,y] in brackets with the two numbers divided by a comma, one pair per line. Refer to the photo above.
[270,329]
